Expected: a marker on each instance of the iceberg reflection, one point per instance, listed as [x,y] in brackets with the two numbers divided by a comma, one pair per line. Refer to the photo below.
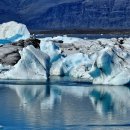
[32,96]
[65,104]
[104,99]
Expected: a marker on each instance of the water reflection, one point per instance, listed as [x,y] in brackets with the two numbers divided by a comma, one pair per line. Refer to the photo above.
[39,96]
[105,99]
[63,105]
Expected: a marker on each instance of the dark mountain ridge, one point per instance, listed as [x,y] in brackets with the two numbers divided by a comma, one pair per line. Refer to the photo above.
[67,14]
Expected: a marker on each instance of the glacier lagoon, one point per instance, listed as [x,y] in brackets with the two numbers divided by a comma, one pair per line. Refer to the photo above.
[63,104]
[70,102]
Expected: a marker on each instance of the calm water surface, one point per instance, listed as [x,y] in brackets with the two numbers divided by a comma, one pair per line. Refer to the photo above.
[87,36]
[63,105]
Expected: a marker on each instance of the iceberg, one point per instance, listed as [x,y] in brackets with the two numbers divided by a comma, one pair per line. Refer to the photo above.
[51,49]
[100,63]
[33,64]
[57,68]
[73,65]
[12,32]
[111,67]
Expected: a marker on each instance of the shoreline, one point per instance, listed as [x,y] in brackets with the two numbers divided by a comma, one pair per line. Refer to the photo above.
[83,31]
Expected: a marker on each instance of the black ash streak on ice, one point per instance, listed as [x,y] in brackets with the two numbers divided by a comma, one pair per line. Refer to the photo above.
[9,53]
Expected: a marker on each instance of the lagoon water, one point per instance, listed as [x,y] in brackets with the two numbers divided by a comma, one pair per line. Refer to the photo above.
[86,36]
[63,104]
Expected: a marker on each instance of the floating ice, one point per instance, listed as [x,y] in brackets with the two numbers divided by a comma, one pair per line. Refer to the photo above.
[13,31]
[66,39]
[33,64]
[57,68]
[72,65]
[100,63]
[50,49]
[111,67]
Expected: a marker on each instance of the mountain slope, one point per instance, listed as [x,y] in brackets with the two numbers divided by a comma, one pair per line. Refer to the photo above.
[55,14]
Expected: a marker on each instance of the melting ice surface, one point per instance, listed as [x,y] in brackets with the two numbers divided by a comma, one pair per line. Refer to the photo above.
[63,104]
[99,61]
[13,31]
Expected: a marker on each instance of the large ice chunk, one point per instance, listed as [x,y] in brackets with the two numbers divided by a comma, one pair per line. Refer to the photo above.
[74,65]
[75,60]
[111,67]
[100,63]
[50,48]
[57,68]
[13,31]
[33,64]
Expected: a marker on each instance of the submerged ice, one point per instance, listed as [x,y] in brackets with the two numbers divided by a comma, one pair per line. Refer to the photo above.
[100,61]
